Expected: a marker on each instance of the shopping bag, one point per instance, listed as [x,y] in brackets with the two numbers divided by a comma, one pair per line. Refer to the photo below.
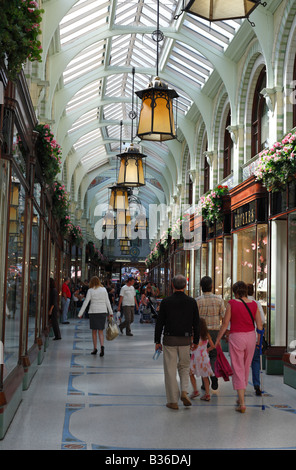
[112,330]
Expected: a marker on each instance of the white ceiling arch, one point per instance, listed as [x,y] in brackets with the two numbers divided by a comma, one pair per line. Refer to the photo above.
[96,44]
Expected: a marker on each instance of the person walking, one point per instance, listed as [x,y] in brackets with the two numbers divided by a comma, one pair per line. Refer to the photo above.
[66,297]
[100,305]
[54,309]
[177,321]
[255,366]
[127,300]
[211,308]
[200,365]
[242,314]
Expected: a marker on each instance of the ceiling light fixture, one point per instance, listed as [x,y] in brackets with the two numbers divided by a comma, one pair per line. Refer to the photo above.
[156,121]
[221,10]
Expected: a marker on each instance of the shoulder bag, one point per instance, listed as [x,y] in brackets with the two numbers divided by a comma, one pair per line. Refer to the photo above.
[264,342]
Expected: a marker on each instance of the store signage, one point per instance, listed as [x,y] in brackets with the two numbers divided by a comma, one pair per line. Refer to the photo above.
[244,215]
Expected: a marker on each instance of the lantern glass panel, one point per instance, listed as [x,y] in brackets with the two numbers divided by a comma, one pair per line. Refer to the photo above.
[215,10]
[156,123]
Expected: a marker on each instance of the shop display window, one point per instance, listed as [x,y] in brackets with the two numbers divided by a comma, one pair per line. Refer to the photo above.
[227,269]
[211,258]
[33,296]
[292,281]
[278,283]
[197,254]
[4,183]
[244,255]
[204,259]
[180,263]
[218,266]
[261,279]
[14,274]
[19,152]
[161,284]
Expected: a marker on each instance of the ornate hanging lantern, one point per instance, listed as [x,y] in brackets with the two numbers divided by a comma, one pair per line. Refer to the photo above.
[131,171]
[119,198]
[156,121]
[218,10]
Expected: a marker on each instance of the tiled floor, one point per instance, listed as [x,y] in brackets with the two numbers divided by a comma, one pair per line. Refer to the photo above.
[80,401]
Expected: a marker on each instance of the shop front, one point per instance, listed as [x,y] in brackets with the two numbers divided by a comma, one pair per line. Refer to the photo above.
[249,229]
[282,294]
[28,244]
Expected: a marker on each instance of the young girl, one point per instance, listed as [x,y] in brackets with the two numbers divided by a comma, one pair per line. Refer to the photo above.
[200,362]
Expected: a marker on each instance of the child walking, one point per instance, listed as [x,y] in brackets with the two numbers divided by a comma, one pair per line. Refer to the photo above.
[200,365]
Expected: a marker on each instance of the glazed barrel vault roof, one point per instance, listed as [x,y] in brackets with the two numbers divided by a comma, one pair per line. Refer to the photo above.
[91,47]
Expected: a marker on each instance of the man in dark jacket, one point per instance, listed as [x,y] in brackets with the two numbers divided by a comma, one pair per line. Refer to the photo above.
[178,320]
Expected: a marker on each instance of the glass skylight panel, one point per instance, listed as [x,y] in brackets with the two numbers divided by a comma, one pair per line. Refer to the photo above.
[119,49]
[82,18]
[113,111]
[114,85]
[87,118]
[88,138]
[96,166]
[89,59]
[187,61]
[218,34]
[86,94]
[96,155]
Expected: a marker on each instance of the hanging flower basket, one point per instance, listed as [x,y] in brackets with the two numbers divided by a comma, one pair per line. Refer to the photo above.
[277,165]
[166,239]
[60,202]
[65,225]
[20,27]
[75,234]
[48,153]
[211,205]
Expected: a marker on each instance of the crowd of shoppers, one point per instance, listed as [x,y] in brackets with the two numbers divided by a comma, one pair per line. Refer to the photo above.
[98,302]
[187,330]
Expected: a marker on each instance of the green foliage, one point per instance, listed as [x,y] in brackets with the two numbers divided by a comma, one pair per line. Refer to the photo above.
[20,28]
[277,165]
[48,153]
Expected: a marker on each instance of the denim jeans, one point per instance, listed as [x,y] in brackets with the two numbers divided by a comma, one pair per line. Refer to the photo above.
[65,308]
[256,368]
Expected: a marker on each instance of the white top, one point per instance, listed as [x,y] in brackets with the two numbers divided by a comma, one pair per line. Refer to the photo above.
[259,307]
[99,302]
[128,294]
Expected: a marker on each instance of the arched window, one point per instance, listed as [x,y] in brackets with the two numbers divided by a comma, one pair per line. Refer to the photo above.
[206,175]
[190,191]
[259,116]
[228,145]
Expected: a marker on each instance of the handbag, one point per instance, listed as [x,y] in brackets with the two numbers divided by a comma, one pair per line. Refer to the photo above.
[112,330]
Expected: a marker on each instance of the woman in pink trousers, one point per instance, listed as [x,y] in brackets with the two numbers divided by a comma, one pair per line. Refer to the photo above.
[242,314]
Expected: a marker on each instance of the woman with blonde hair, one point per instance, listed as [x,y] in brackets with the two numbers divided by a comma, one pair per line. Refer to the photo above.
[100,305]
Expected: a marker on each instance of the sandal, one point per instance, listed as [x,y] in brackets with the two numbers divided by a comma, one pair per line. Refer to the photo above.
[241,408]
[206,397]
[194,394]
